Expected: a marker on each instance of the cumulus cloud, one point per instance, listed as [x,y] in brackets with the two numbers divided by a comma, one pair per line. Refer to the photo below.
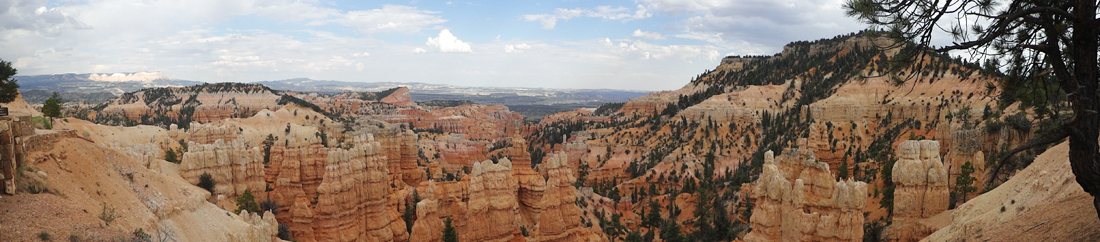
[549,21]
[419,50]
[647,35]
[516,48]
[447,42]
[766,22]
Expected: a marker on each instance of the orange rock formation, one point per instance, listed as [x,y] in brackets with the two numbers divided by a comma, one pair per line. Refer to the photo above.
[797,199]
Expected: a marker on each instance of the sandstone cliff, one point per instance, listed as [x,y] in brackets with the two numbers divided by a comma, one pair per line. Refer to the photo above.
[493,201]
[428,226]
[560,217]
[921,190]
[234,167]
[797,199]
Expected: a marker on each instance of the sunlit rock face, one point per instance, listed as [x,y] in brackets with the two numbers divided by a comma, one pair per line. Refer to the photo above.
[560,217]
[493,202]
[799,200]
[921,191]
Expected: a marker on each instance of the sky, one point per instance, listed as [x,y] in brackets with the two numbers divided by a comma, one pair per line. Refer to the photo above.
[633,45]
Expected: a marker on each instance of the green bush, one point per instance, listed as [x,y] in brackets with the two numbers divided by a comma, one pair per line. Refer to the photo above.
[247,202]
[206,181]
[41,122]
[44,236]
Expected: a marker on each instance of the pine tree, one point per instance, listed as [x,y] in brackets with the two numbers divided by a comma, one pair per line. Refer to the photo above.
[247,202]
[9,87]
[449,233]
[52,107]
[964,183]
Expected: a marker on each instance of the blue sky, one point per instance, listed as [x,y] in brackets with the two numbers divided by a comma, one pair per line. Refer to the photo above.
[637,45]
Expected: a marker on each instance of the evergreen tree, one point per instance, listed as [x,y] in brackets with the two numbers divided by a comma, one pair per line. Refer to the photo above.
[964,183]
[52,107]
[449,233]
[9,87]
[247,202]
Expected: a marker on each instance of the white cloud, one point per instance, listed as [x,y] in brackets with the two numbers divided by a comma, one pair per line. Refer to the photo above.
[516,48]
[390,18]
[767,22]
[549,21]
[419,50]
[364,54]
[447,42]
[647,35]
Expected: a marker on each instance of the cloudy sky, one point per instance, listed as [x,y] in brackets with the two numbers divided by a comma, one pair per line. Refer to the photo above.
[637,45]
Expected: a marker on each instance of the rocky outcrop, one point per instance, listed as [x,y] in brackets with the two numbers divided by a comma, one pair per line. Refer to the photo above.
[921,191]
[492,202]
[302,162]
[261,228]
[399,97]
[208,133]
[531,184]
[400,147]
[797,199]
[353,198]
[560,217]
[142,153]
[428,227]
[234,167]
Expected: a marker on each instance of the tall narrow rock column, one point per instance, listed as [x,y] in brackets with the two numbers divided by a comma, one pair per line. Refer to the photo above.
[921,188]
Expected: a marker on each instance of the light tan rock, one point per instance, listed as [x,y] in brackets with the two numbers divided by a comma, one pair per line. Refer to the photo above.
[921,191]
[783,195]
[493,201]
[428,226]
[234,167]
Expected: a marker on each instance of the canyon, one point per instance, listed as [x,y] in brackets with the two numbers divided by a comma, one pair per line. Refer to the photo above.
[816,143]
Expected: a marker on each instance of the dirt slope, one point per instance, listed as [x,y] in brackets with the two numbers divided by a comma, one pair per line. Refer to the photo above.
[1040,203]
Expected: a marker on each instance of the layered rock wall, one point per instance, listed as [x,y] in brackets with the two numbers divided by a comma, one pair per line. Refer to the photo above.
[353,198]
[921,191]
[797,199]
[492,202]
[560,217]
[234,167]
[428,226]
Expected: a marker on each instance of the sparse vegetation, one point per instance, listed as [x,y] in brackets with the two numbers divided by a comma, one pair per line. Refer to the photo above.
[206,181]
[108,214]
[247,202]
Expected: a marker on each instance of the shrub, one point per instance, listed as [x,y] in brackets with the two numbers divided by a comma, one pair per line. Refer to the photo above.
[284,232]
[44,236]
[269,205]
[108,214]
[170,156]
[140,235]
[206,181]
[247,202]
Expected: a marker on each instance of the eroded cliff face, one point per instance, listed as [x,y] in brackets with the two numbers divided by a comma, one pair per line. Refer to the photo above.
[428,226]
[492,197]
[353,201]
[797,199]
[560,217]
[921,190]
[234,167]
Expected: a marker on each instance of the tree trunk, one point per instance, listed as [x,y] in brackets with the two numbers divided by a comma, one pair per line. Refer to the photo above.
[1084,152]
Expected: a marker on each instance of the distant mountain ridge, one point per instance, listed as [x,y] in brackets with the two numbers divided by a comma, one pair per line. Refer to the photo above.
[98,87]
